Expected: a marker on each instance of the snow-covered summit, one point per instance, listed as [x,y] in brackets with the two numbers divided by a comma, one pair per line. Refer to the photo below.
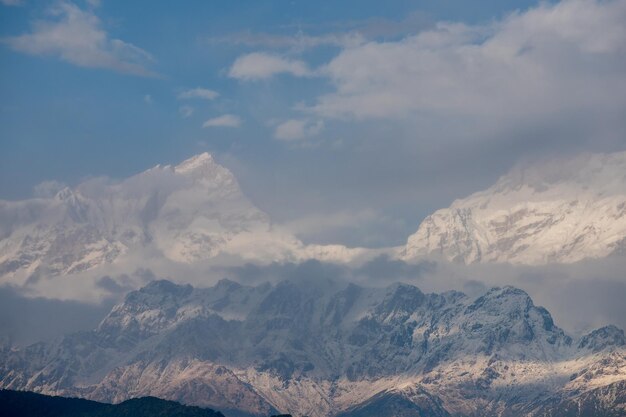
[199,161]
[557,211]
[188,213]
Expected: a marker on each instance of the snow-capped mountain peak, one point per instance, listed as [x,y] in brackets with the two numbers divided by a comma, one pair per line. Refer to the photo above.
[192,212]
[195,162]
[559,211]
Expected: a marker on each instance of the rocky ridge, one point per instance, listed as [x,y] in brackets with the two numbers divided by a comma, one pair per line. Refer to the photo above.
[325,347]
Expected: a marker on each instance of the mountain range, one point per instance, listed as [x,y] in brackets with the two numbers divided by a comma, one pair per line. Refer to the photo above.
[321,347]
[195,214]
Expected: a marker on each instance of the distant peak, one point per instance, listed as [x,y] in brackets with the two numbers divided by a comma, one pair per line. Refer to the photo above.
[194,163]
[227,284]
[507,290]
[65,194]
[164,286]
[603,337]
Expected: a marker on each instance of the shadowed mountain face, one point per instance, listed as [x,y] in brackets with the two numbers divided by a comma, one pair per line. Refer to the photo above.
[322,347]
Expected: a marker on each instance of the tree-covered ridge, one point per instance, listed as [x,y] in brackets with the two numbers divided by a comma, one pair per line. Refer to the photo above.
[30,404]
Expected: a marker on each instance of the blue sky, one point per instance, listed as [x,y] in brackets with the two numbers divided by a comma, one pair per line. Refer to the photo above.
[306,101]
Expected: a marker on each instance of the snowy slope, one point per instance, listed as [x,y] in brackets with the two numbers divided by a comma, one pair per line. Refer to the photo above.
[188,213]
[320,347]
[559,211]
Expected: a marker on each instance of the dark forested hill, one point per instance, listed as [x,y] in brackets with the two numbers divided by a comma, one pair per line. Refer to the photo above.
[30,404]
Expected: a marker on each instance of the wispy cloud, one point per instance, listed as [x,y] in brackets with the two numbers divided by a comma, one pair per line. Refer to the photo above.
[299,42]
[12,2]
[47,189]
[295,129]
[226,120]
[185,111]
[199,92]
[76,36]
[259,65]
[339,34]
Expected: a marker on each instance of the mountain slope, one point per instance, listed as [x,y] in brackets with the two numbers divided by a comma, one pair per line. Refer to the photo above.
[322,347]
[559,211]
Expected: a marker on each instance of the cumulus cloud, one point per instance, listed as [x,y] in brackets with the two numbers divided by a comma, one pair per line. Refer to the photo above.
[76,36]
[226,120]
[199,92]
[552,60]
[259,65]
[294,129]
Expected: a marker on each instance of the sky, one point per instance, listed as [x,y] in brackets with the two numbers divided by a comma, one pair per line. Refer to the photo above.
[347,121]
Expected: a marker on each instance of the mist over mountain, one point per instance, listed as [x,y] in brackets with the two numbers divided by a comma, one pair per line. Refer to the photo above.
[192,223]
[327,209]
[191,214]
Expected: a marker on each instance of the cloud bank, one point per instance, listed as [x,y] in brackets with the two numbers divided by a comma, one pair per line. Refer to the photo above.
[553,59]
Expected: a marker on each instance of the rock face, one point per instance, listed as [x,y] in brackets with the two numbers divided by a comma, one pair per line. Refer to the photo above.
[320,347]
[189,213]
[561,211]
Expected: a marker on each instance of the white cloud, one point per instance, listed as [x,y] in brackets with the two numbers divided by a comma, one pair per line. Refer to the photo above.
[76,36]
[294,129]
[201,93]
[226,120]
[552,59]
[185,111]
[147,99]
[47,189]
[258,66]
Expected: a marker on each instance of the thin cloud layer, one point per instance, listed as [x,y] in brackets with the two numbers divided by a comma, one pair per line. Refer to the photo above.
[226,120]
[76,36]
[199,92]
[259,66]
[12,2]
[295,130]
[298,42]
